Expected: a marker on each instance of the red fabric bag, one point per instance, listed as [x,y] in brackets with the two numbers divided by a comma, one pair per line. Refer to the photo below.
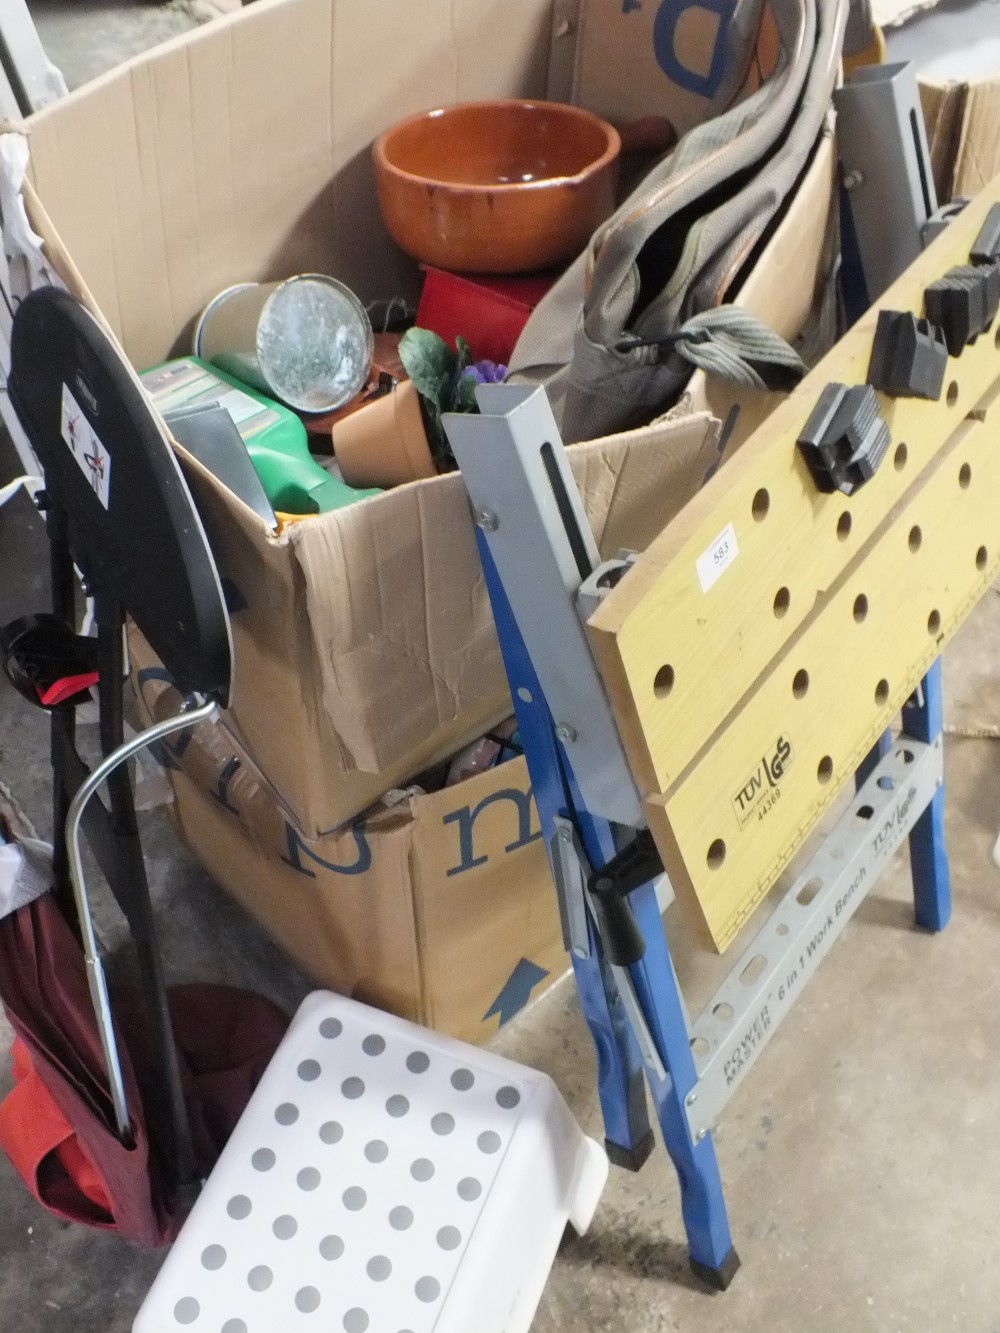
[57,1125]
[45,1151]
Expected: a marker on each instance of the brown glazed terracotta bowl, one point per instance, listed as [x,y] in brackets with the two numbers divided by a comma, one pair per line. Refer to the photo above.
[497,187]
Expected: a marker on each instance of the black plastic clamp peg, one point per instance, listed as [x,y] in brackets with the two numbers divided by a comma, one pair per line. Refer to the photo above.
[909,356]
[609,887]
[844,439]
[986,247]
[964,303]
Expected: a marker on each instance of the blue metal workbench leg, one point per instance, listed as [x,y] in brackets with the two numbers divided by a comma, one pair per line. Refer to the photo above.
[628,1137]
[923,720]
[620,1065]
[712,1255]
[621,1088]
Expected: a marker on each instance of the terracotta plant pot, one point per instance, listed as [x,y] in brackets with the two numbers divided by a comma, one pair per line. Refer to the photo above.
[497,187]
[384,443]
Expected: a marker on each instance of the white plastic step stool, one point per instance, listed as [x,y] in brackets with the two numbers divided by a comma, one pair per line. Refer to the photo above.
[383,1179]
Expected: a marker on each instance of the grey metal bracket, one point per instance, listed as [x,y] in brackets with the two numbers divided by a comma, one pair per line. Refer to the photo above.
[570,870]
[937,222]
[860,30]
[886,169]
[527,505]
[744,1013]
[636,1016]
[607,575]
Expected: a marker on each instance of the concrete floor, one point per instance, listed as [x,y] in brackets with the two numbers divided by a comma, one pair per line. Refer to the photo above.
[861,1158]
[86,37]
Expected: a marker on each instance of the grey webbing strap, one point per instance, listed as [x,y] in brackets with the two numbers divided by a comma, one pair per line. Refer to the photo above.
[732,343]
[729,342]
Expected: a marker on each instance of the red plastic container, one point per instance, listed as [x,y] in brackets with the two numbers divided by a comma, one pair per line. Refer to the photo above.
[489,312]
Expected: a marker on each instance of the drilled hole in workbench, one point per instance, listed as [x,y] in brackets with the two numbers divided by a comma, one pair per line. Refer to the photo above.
[782,601]
[899,457]
[663,682]
[699,1046]
[860,607]
[716,854]
[753,969]
[934,623]
[836,854]
[864,812]
[824,769]
[885,782]
[800,684]
[761,504]
[723,1012]
[882,693]
[809,890]
[844,526]
[952,395]
[964,475]
[915,539]
[907,756]
[982,557]
[781,928]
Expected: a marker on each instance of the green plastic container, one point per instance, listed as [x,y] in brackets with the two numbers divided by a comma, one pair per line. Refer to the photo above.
[275,438]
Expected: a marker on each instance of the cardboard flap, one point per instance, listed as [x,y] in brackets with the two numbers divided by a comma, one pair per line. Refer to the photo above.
[398,611]
[961,116]
[978,157]
[240,151]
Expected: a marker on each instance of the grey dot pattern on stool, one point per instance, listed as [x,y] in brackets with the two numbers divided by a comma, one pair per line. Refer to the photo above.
[349,1191]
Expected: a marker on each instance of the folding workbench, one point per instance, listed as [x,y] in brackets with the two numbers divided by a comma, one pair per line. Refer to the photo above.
[699,708]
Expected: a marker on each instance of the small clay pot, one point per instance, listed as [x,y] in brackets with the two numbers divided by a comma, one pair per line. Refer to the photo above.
[384,443]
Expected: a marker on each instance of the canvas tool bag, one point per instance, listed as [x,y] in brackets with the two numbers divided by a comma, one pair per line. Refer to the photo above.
[620,333]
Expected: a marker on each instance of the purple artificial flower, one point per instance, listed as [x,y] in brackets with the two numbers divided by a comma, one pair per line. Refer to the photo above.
[487,372]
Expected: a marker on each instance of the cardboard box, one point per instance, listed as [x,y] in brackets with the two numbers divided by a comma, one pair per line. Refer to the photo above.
[962,117]
[365,646]
[439,907]
[639,58]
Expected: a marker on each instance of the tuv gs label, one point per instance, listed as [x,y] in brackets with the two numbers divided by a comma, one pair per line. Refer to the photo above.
[761,790]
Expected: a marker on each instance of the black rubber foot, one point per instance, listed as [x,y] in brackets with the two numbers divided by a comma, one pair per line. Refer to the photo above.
[717,1278]
[630,1159]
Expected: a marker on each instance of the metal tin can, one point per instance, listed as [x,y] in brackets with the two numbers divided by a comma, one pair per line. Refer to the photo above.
[307,341]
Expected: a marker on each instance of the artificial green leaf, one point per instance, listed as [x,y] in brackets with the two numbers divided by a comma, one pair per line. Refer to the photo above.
[430,364]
